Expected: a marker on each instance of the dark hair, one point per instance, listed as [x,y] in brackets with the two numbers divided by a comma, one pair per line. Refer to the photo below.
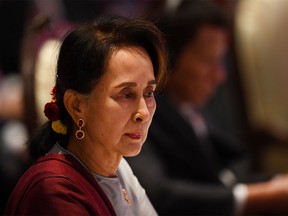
[83,58]
[182,25]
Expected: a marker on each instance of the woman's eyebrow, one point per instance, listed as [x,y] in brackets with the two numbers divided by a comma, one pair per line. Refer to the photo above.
[152,82]
[133,84]
[126,84]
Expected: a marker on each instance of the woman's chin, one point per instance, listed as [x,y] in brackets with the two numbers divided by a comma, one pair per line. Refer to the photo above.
[133,153]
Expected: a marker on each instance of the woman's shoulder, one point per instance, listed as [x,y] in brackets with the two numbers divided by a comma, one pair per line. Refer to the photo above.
[48,169]
[53,172]
[53,165]
[53,184]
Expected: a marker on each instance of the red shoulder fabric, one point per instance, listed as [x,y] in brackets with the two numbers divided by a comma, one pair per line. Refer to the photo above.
[58,185]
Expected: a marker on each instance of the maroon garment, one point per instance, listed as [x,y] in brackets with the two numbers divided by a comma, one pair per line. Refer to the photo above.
[58,185]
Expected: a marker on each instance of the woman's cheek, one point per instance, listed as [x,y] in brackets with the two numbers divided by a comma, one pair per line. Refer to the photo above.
[122,101]
[152,105]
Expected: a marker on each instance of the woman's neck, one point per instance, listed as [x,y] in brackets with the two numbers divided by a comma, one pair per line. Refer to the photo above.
[96,159]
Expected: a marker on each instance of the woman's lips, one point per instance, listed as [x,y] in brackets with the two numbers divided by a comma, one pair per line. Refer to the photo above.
[134,136]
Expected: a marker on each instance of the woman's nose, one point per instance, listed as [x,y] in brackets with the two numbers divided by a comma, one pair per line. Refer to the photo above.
[142,114]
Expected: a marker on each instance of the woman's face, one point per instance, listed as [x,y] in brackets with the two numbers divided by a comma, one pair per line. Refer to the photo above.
[123,94]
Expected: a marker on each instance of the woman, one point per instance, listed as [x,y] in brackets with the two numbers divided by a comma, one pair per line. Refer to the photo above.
[101,109]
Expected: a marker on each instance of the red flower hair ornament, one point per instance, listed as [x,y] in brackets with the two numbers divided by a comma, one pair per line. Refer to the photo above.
[51,111]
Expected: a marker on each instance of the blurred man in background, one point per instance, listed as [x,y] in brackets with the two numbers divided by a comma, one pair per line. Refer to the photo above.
[188,165]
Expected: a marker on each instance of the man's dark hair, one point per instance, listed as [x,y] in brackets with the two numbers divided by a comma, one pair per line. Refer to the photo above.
[182,25]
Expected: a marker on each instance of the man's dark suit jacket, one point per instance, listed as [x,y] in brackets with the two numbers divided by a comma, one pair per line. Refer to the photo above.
[178,176]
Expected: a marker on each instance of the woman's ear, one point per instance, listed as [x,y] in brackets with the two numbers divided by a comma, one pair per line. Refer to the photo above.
[73,102]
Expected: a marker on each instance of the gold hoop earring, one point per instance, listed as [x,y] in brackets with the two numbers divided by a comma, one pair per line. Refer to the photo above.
[80,134]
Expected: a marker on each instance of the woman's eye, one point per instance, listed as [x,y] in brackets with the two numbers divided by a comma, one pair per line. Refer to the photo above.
[149,94]
[128,95]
